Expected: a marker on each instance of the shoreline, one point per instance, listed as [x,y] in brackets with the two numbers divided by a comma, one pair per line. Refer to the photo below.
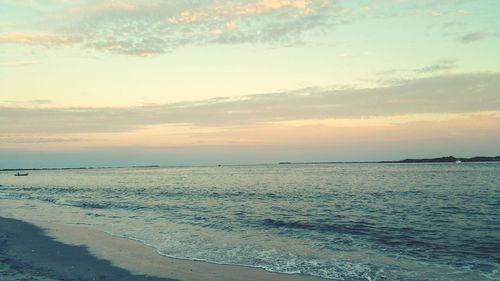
[448,159]
[53,251]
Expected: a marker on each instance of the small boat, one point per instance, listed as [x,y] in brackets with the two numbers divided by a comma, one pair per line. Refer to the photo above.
[18,174]
[458,161]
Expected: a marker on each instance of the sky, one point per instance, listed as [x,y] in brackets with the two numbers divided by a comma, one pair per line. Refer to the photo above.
[116,83]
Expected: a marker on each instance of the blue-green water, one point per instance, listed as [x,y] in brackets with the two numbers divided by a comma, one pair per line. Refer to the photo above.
[339,221]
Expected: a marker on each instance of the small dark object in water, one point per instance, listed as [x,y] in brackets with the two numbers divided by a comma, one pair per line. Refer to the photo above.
[18,174]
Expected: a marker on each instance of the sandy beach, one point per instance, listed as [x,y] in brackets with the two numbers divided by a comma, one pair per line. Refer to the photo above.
[38,250]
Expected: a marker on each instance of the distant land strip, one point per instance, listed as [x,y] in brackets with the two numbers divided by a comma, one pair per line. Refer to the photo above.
[445,159]
[448,159]
[76,168]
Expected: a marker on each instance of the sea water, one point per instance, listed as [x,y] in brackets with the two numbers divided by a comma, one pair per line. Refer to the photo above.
[336,221]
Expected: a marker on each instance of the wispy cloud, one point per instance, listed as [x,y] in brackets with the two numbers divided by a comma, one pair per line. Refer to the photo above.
[162,27]
[460,13]
[144,28]
[396,76]
[477,36]
[44,39]
[442,65]
[37,140]
[20,63]
[440,94]
[155,27]
[29,103]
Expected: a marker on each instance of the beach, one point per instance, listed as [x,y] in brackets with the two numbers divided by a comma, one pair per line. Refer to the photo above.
[50,251]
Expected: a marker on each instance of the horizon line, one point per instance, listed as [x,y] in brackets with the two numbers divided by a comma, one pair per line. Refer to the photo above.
[442,159]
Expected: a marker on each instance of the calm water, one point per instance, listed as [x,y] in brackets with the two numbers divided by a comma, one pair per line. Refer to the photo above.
[342,222]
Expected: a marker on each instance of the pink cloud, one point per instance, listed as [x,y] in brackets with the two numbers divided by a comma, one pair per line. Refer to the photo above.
[44,39]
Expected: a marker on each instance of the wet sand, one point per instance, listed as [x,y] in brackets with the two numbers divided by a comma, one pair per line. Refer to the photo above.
[37,250]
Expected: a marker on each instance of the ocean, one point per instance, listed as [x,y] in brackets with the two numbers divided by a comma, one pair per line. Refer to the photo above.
[336,221]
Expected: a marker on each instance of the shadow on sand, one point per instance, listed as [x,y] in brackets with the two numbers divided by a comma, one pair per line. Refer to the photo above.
[26,253]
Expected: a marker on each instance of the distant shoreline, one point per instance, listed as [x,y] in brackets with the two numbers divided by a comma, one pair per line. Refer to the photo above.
[76,168]
[446,159]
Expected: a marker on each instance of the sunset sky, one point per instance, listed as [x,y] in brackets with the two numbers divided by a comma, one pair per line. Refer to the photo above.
[110,83]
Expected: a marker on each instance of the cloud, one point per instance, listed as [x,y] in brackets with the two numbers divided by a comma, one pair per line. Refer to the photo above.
[442,65]
[464,93]
[143,28]
[35,102]
[146,29]
[477,36]
[20,63]
[460,13]
[467,126]
[37,140]
[44,39]
[396,76]
[40,101]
